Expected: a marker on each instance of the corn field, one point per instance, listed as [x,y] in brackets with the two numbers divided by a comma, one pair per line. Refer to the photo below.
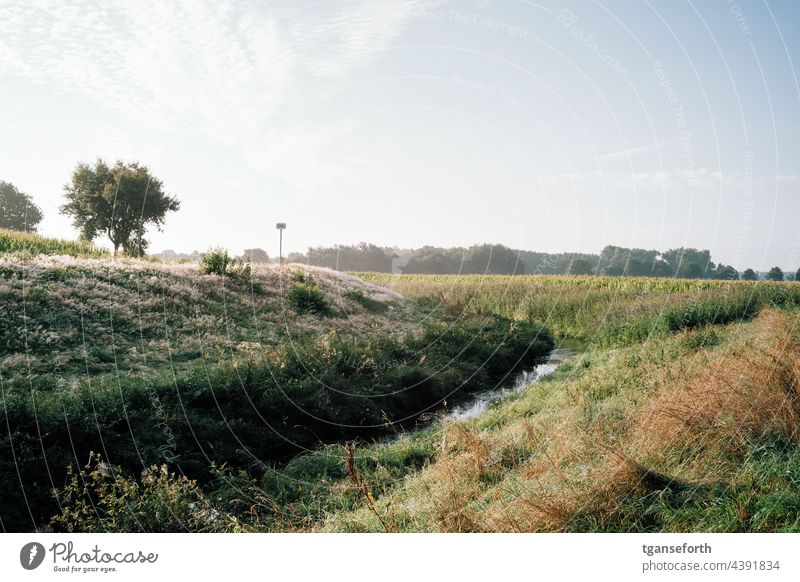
[26,244]
[606,310]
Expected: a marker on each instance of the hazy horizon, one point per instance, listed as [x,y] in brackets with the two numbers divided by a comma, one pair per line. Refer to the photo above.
[552,127]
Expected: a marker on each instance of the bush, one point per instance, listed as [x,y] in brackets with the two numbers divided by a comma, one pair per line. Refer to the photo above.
[306,297]
[217,261]
[99,498]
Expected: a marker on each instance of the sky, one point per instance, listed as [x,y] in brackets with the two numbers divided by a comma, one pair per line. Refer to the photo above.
[550,126]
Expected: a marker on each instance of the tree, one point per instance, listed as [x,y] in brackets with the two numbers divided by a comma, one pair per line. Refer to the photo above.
[119,202]
[775,274]
[17,209]
[662,269]
[749,275]
[726,272]
[360,257]
[681,258]
[580,267]
[492,260]
[636,268]
[612,271]
[690,271]
[256,255]
[797,275]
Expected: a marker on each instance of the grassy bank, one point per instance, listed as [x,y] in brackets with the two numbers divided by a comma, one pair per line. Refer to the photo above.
[693,427]
[144,363]
[696,432]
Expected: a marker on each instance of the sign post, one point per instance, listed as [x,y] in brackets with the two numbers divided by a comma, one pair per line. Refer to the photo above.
[280,226]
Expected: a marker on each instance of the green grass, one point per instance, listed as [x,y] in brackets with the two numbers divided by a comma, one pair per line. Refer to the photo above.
[29,245]
[686,382]
[602,310]
[149,363]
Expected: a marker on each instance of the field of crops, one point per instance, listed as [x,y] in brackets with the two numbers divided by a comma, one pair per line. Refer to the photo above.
[31,245]
[603,310]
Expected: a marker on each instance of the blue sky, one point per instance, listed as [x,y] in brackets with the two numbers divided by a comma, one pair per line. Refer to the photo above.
[552,126]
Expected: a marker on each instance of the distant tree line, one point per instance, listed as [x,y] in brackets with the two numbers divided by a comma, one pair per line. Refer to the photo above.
[360,257]
[682,262]
[121,201]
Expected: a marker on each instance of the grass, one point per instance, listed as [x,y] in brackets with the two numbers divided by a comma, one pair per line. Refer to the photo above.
[656,437]
[152,363]
[679,414]
[608,311]
[30,245]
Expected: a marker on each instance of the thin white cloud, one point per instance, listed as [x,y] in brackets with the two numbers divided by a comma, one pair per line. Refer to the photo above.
[701,179]
[236,72]
[630,152]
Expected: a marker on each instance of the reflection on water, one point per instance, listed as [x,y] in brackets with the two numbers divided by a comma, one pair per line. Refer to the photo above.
[483,400]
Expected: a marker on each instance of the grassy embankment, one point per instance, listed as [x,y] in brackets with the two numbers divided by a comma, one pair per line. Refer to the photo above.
[145,363]
[681,415]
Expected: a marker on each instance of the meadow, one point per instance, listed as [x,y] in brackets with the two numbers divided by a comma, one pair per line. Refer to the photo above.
[145,363]
[141,396]
[687,422]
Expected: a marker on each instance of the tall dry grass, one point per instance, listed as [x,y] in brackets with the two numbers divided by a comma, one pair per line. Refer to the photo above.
[594,451]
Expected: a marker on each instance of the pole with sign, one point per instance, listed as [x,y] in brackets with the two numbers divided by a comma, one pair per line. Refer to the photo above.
[280,226]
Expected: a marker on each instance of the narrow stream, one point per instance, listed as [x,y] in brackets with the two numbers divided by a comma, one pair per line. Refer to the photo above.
[482,400]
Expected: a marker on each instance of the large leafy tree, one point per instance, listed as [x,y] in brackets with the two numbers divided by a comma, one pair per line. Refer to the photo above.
[17,209]
[775,274]
[749,275]
[119,202]
[580,267]
[690,271]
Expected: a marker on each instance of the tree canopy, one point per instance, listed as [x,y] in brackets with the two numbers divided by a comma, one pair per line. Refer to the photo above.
[478,259]
[360,257]
[775,274]
[749,275]
[580,267]
[17,209]
[118,202]
[256,255]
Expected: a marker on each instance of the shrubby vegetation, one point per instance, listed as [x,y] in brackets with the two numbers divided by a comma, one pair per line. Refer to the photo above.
[217,261]
[306,297]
